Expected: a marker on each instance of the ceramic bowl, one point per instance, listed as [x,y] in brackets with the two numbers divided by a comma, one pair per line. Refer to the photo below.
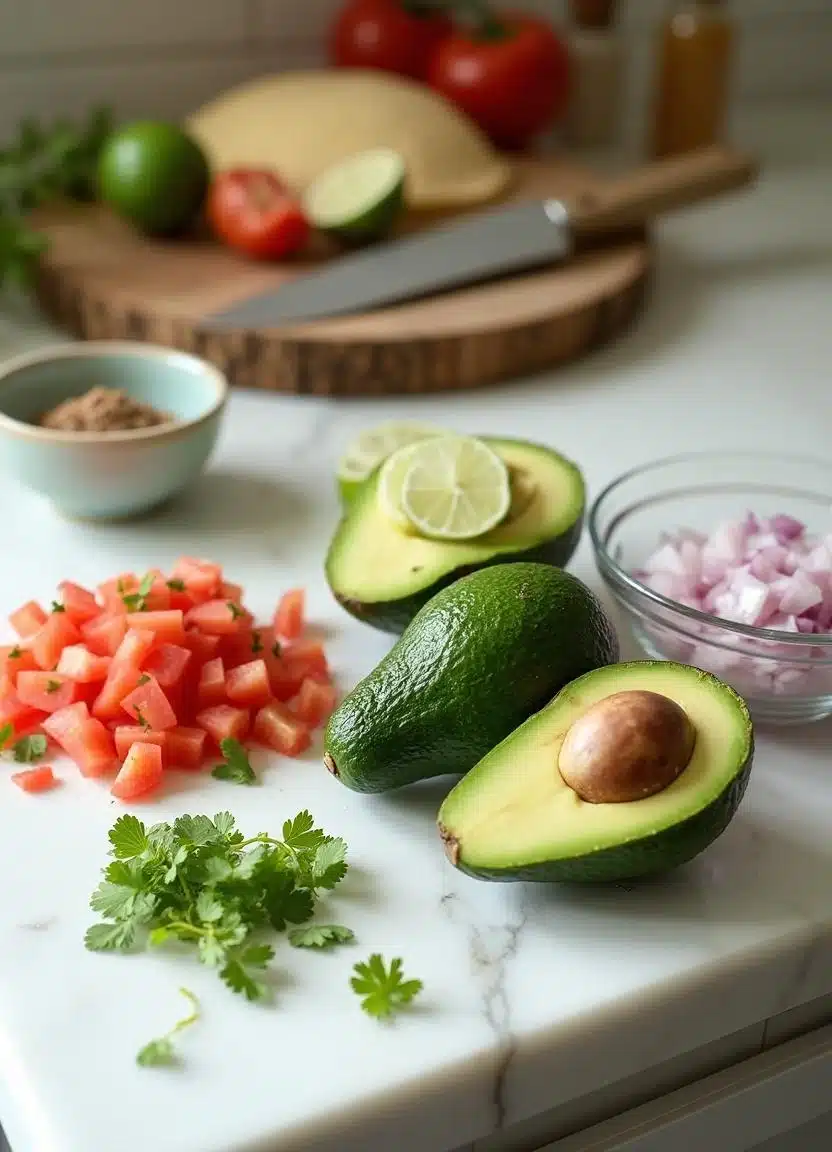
[109,475]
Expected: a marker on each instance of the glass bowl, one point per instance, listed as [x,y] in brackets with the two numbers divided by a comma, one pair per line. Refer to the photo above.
[785,677]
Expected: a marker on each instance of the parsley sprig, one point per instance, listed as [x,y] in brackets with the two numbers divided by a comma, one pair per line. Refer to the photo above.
[25,750]
[382,988]
[161,1052]
[199,881]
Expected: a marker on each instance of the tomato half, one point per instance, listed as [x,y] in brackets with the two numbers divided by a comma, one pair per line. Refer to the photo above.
[389,35]
[251,210]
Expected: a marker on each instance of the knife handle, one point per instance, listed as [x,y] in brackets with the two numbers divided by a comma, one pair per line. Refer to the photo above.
[661,187]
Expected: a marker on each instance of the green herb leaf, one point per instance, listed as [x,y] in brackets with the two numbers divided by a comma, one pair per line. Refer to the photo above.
[301,833]
[235,610]
[6,733]
[256,643]
[329,867]
[382,989]
[53,686]
[176,585]
[161,1052]
[239,980]
[16,653]
[128,837]
[57,606]
[28,749]
[320,936]
[237,766]
[137,601]
[110,937]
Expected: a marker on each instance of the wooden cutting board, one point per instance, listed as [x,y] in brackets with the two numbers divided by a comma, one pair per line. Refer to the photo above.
[102,281]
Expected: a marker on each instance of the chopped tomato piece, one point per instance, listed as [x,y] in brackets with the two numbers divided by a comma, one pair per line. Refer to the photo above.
[211,686]
[39,779]
[91,747]
[15,659]
[126,735]
[167,664]
[21,716]
[120,682]
[288,618]
[112,592]
[158,598]
[148,705]
[186,747]
[134,647]
[309,655]
[104,634]
[180,597]
[277,728]
[224,722]
[28,619]
[79,604]
[201,578]
[314,703]
[243,646]
[168,626]
[231,592]
[49,642]
[83,666]
[140,774]
[203,647]
[219,618]
[248,684]
[46,691]
[66,723]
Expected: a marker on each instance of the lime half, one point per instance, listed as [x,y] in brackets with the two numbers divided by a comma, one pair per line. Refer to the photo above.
[455,488]
[374,445]
[358,200]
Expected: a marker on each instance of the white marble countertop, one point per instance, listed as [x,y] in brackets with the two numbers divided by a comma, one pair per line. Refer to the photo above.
[533,995]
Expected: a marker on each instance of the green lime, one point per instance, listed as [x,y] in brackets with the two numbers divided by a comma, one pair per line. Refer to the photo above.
[360,199]
[452,488]
[371,447]
[154,175]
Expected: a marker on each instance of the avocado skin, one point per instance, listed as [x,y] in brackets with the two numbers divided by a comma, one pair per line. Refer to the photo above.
[478,659]
[638,859]
[394,616]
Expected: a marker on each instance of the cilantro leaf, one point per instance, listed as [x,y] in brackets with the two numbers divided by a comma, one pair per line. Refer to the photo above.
[53,686]
[236,767]
[257,956]
[235,610]
[176,585]
[128,837]
[16,653]
[6,733]
[320,936]
[57,606]
[329,866]
[225,825]
[195,829]
[382,989]
[110,937]
[301,833]
[208,908]
[115,901]
[239,980]
[29,748]
[137,601]
[211,952]
[161,1052]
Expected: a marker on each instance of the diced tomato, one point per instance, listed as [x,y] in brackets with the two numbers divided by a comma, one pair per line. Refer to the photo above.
[65,724]
[112,592]
[248,684]
[288,618]
[239,648]
[140,774]
[79,604]
[219,618]
[126,735]
[121,680]
[49,642]
[230,591]
[158,598]
[168,626]
[46,691]
[39,779]
[92,748]
[224,722]
[180,597]
[203,647]
[308,655]
[15,659]
[83,666]
[314,703]
[277,728]
[167,664]
[28,619]
[201,578]
[211,686]
[104,634]
[134,647]
[22,717]
[185,748]
[148,705]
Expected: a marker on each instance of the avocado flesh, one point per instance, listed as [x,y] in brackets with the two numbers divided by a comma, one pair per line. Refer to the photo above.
[482,656]
[513,817]
[383,575]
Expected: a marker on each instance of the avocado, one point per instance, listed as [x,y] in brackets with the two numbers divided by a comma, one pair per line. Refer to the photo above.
[383,575]
[477,660]
[514,817]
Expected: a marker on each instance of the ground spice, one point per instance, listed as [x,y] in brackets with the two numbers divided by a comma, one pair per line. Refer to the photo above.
[103,410]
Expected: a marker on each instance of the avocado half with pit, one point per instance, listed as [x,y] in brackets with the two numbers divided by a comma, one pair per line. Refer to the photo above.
[632,770]
[384,576]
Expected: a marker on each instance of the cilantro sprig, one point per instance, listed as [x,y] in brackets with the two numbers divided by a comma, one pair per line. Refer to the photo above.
[161,1052]
[236,767]
[25,750]
[201,882]
[382,987]
[137,601]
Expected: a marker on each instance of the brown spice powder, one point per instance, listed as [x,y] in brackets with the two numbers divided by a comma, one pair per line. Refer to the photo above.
[103,410]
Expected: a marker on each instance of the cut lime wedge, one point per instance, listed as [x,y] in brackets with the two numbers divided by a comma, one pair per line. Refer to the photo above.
[359,199]
[454,488]
[373,446]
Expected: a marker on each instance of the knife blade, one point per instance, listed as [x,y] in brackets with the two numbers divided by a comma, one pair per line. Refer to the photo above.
[519,237]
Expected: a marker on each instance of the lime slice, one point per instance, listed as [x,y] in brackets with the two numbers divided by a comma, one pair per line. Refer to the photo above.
[391,482]
[455,488]
[370,447]
[359,199]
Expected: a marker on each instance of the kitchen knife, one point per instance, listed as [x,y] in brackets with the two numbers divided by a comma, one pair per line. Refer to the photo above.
[519,237]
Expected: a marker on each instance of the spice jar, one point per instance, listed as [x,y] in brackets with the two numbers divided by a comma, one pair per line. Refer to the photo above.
[597,66]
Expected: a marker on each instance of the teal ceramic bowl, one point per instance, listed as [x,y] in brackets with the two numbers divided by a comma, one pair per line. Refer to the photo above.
[109,475]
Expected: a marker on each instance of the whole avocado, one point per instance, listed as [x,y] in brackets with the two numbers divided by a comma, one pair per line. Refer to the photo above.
[481,657]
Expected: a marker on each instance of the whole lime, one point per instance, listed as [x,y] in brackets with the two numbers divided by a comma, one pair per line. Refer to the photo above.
[154,175]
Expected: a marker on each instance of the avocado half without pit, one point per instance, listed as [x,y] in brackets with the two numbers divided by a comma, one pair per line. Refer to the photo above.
[632,770]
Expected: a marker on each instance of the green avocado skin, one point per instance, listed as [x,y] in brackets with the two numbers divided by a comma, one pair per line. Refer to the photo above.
[479,658]
[395,615]
[640,858]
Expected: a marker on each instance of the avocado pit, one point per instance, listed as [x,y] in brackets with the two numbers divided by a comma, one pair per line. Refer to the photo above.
[626,747]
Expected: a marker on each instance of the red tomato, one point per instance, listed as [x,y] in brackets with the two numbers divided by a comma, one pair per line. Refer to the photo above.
[385,35]
[126,735]
[223,722]
[49,642]
[288,617]
[218,618]
[39,779]
[66,723]
[79,604]
[14,659]
[231,592]
[149,706]
[248,684]
[135,646]
[168,626]
[120,682]
[46,691]
[511,76]
[185,748]
[201,578]
[314,703]
[141,772]
[250,209]
[104,634]
[91,747]
[168,663]
[83,666]
[28,619]
[277,728]
[111,593]
[211,686]
[21,716]
[203,647]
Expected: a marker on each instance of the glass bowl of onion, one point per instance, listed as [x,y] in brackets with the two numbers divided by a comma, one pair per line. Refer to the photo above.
[724,561]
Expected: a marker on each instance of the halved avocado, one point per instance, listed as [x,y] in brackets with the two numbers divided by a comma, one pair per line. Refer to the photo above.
[383,575]
[514,817]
